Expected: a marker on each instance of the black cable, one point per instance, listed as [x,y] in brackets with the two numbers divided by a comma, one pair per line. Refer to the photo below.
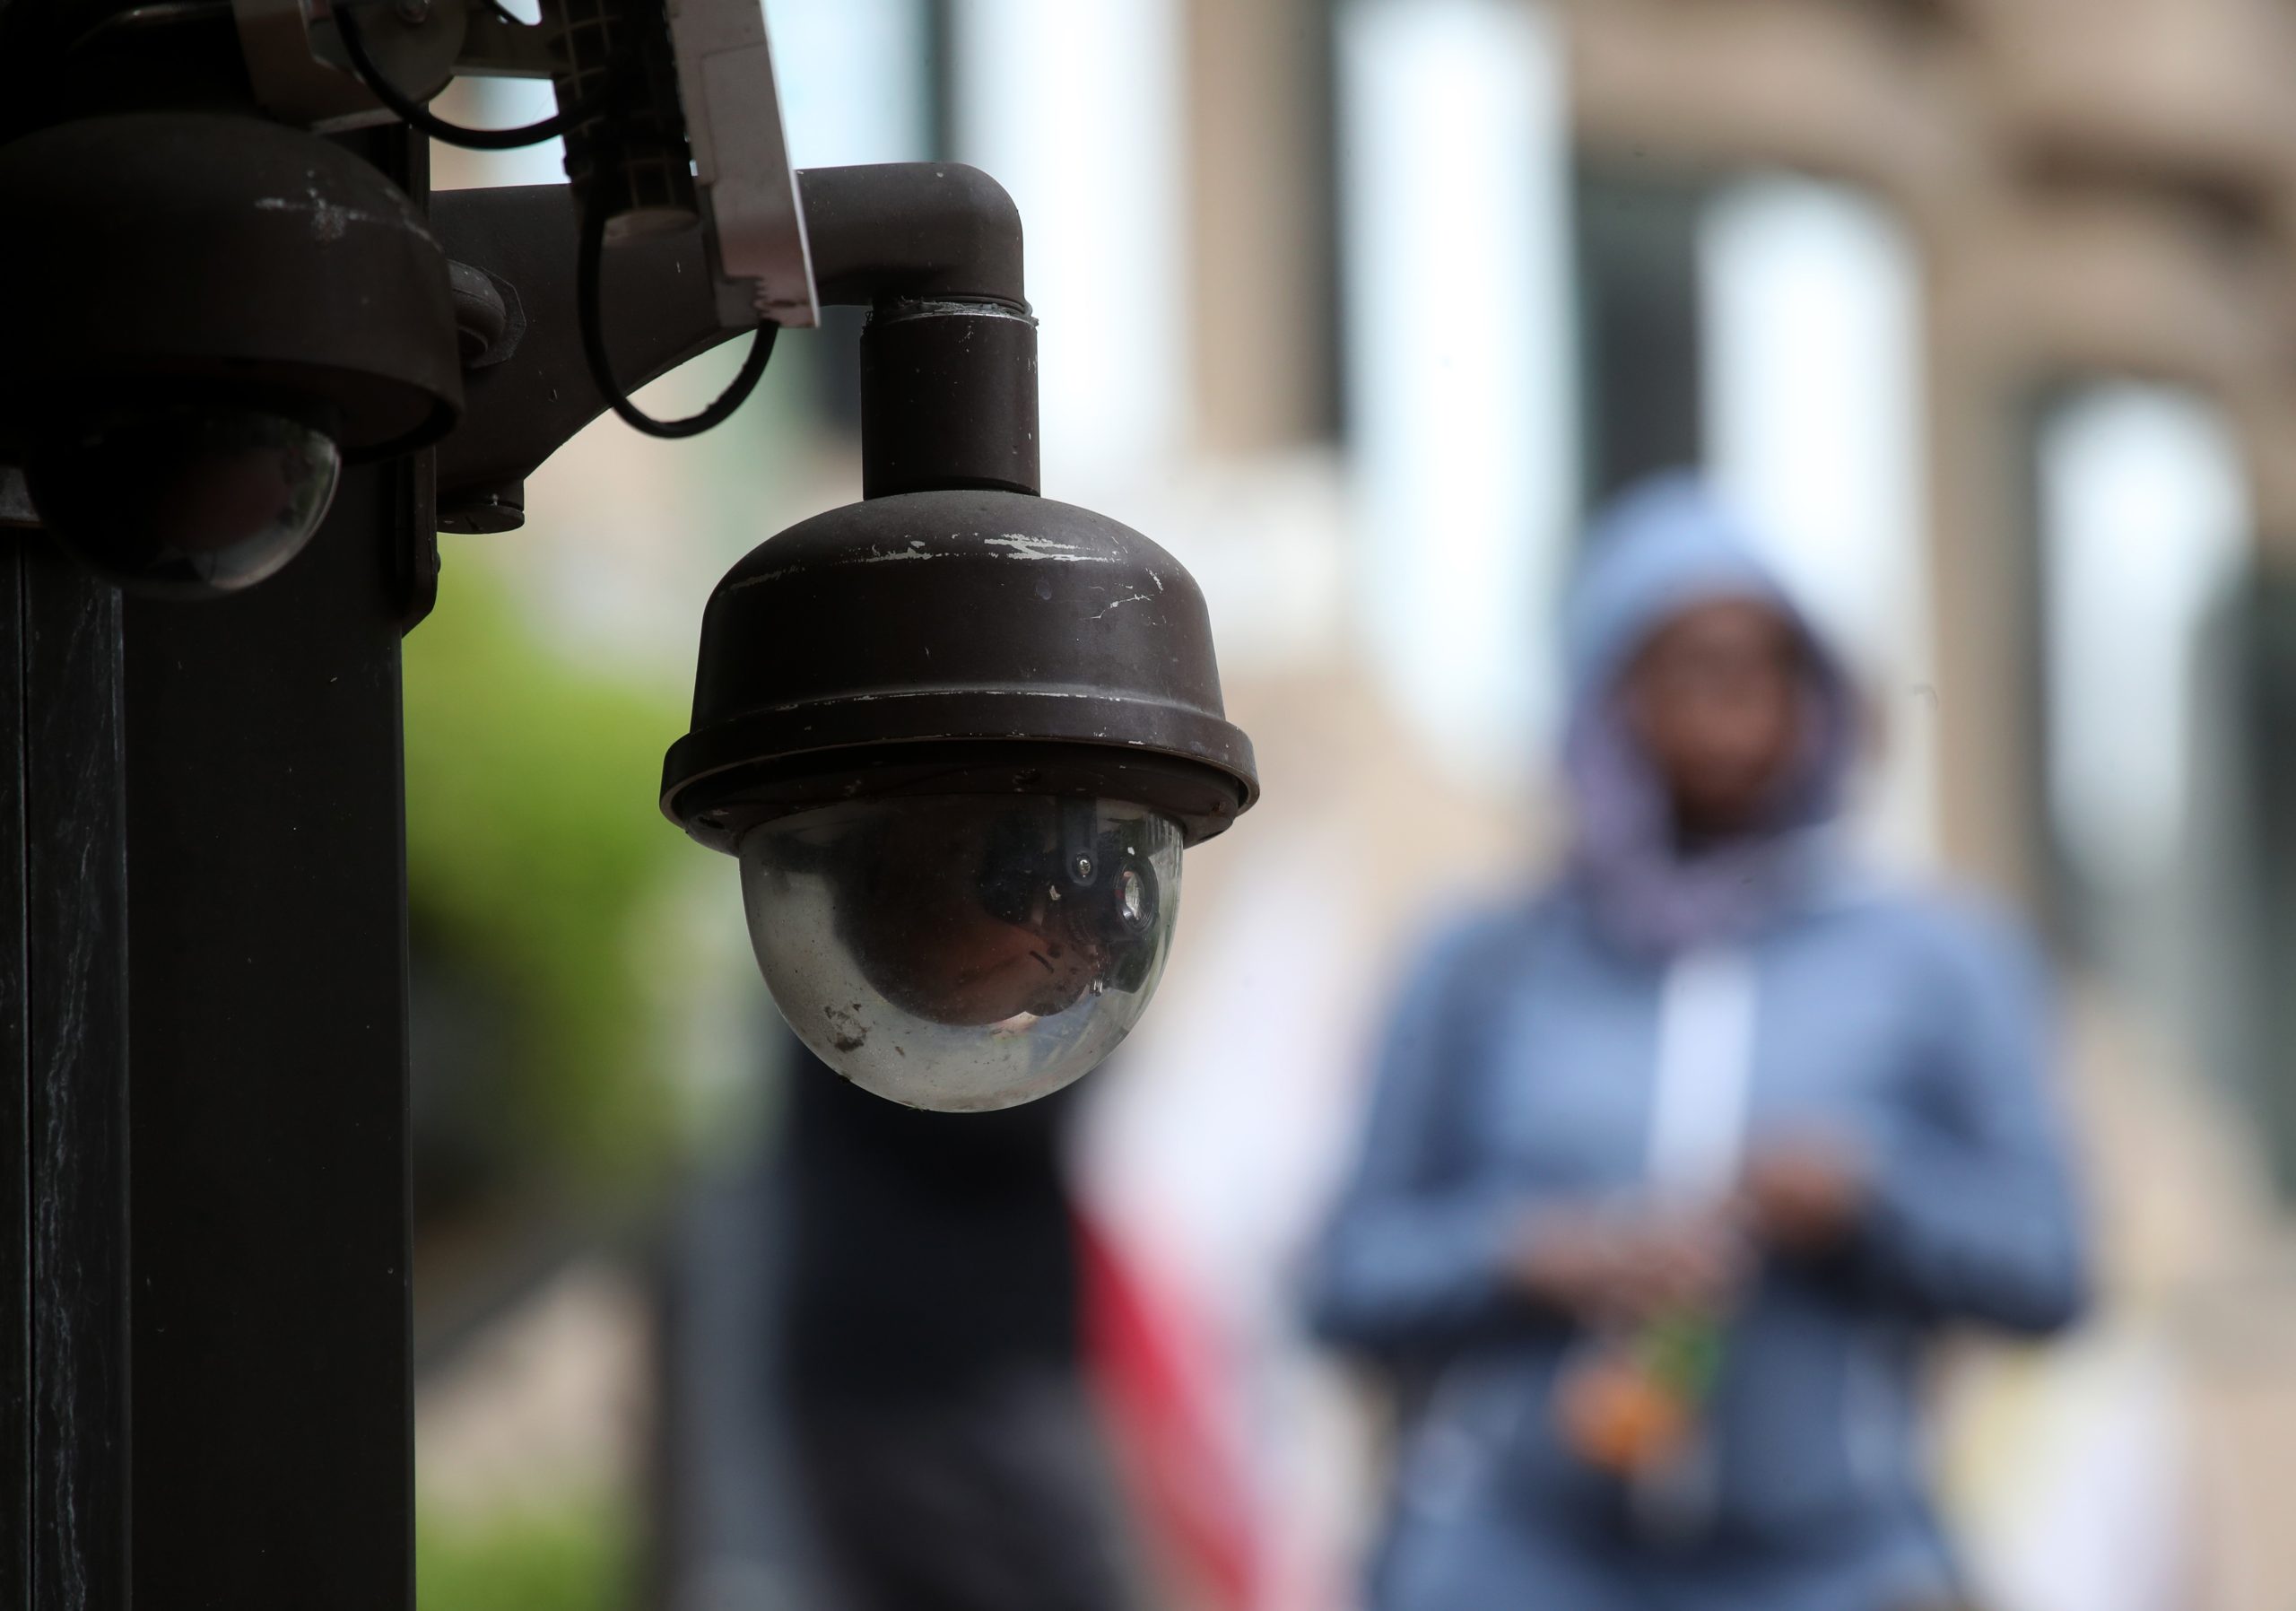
[588,263]
[419,118]
[590,254]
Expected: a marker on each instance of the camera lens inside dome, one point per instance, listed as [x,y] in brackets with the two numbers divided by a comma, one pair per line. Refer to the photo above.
[964,953]
[185,499]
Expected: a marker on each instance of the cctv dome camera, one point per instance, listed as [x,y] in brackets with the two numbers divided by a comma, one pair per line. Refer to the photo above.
[185,499]
[957,734]
[958,741]
[183,442]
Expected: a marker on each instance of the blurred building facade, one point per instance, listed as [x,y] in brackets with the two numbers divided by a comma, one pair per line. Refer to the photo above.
[1985,306]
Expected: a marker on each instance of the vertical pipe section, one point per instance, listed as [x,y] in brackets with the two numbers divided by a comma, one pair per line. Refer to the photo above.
[948,398]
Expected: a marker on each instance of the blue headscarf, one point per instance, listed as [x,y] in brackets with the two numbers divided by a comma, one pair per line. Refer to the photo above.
[1663,548]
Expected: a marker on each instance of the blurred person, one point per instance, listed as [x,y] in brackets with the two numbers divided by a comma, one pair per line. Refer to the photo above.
[943,1444]
[1673,1169]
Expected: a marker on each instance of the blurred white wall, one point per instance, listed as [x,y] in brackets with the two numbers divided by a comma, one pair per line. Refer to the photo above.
[1811,321]
[854,80]
[1461,388]
[2144,518]
[1077,110]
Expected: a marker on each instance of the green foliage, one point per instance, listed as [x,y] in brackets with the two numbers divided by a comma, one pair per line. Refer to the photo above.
[574,1557]
[533,848]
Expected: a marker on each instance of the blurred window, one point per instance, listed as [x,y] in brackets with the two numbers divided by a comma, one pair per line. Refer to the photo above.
[2143,526]
[1810,328]
[1078,110]
[1455,210]
[2144,519]
[859,82]
[1639,338]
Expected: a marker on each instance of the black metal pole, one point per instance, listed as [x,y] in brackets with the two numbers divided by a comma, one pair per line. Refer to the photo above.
[16,1504]
[267,967]
[203,1013]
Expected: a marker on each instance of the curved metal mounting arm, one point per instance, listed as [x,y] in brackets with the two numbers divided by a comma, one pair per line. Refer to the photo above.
[949,359]
[948,365]
[912,231]
[661,309]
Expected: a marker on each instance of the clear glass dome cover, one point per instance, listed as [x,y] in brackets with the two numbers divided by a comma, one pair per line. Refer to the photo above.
[187,499]
[964,953]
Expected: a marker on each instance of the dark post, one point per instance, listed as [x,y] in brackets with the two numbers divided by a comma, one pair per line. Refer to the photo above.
[204,1245]
[267,1012]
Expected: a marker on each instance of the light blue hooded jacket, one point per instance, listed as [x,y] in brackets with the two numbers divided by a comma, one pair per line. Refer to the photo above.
[1548,1053]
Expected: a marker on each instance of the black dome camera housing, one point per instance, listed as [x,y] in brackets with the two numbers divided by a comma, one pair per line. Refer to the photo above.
[957,734]
[179,440]
[959,741]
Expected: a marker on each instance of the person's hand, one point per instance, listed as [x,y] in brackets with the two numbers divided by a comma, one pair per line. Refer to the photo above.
[1611,1267]
[1805,1196]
